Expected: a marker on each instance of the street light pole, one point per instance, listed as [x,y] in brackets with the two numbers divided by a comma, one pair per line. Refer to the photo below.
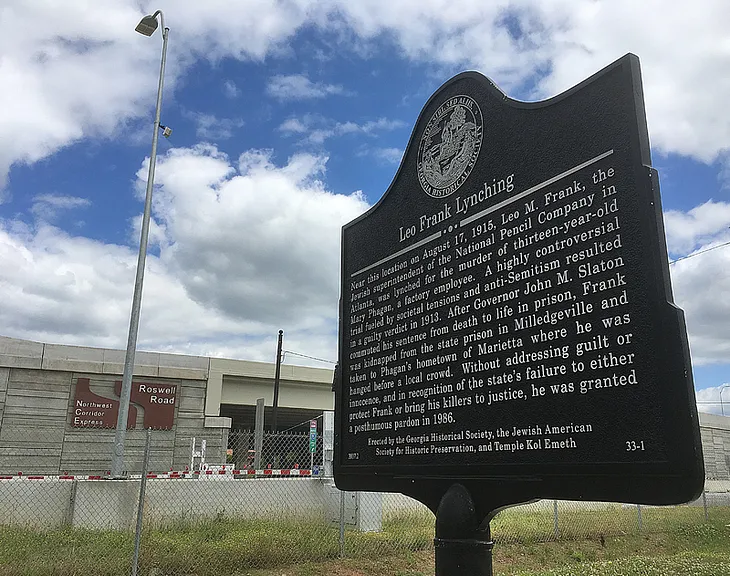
[722,389]
[147,26]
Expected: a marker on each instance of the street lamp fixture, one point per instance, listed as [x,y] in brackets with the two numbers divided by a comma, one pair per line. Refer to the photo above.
[148,24]
[146,27]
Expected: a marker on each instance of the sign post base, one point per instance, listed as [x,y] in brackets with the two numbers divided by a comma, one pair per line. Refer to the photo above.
[461,545]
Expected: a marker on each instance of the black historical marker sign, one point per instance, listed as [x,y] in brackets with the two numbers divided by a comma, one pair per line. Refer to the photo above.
[506,315]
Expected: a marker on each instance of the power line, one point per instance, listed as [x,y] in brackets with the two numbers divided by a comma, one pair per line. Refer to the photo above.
[306,356]
[300,424]
[700,252]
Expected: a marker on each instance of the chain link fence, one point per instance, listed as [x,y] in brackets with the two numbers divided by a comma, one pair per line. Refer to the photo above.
[252,511]
[281,450]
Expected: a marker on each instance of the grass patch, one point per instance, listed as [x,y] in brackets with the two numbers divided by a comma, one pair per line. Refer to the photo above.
[672,541]
[227,546]
[66,552]
[527,525]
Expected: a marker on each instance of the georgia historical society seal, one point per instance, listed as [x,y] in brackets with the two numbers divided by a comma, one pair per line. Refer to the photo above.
[450,146]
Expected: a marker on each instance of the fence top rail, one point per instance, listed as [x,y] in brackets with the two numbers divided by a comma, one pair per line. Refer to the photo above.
[229,473]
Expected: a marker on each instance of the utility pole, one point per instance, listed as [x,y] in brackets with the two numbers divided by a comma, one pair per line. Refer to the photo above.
[277,375]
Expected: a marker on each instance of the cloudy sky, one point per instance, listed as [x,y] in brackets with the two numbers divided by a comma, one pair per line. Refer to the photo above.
[289,119]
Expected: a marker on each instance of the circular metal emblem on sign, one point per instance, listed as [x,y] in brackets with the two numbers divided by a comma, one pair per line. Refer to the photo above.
[450,146]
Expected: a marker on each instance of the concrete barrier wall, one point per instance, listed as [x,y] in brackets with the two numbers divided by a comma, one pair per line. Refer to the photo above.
[112,504]
[252,498]
[105,504]
[36,504]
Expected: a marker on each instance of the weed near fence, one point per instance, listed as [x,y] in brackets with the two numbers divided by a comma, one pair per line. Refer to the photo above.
[227,546]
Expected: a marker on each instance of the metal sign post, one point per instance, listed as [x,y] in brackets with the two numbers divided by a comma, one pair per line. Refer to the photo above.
[312,442]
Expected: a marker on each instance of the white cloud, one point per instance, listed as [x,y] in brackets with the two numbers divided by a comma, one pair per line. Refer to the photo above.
[701,225]
[210,128]
[684,80]
[70,73]
[471,35]
[724,176]
[60,288]
[293,125]
[299,87]
[48,206]
[315,130]
[701,281]
[231,90]
[253,241]
[67,73]
[710,400]
[381,124]
[564,41]
[245,249]
[389,155]
[216,29]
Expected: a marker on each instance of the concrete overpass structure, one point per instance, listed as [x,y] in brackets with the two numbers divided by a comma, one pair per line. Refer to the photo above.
[56,403]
